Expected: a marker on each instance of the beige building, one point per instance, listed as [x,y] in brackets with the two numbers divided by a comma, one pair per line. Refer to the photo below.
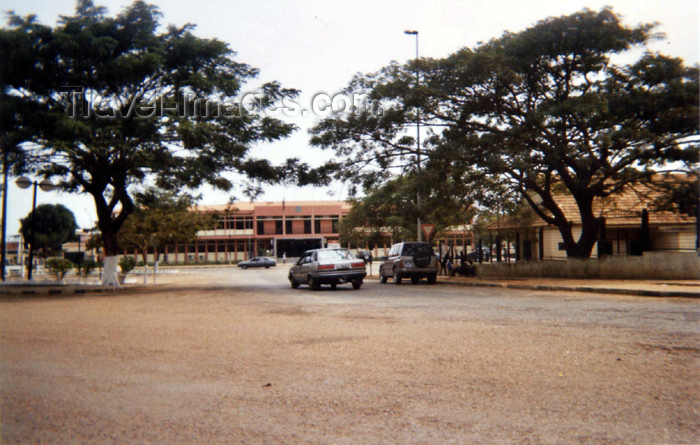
[632,225]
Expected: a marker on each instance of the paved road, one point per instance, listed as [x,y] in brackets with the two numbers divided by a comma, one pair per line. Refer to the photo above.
[667,315]
[232,356]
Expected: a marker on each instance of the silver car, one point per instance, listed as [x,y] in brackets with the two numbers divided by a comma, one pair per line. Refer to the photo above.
[327,266]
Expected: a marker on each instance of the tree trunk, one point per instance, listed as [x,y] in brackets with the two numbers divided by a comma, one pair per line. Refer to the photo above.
[590,228]
[109,226]
[111,252]
[144,255]
[110,276]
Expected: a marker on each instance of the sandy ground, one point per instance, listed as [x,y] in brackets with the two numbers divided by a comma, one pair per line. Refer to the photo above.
[227,356]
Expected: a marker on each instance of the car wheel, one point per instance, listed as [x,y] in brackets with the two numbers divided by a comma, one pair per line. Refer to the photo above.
[432,278]
[267,267]
[357,283]
[415,280]
[295,283]
[382,278]
[244,267]
[313,284]
[397,277]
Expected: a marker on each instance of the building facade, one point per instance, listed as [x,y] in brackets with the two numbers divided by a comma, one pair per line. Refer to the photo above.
[279,230]
[276,229]
[632,225]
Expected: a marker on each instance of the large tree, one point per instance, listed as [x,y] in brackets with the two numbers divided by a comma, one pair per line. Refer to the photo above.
[132,102]
[544,110]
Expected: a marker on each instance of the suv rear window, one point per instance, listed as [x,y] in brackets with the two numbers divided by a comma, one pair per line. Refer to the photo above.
[417,249]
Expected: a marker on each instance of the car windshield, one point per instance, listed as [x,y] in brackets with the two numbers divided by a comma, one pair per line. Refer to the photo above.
[334,255]
[417,249]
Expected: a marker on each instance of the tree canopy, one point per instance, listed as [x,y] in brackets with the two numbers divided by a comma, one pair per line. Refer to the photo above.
[544,111]
[125,101]
[54,225]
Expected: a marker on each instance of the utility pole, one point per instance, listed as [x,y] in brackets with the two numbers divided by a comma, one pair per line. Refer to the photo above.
[418,167]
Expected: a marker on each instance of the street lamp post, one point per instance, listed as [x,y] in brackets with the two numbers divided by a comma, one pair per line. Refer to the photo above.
[418,206]
[23,182]
[3,242]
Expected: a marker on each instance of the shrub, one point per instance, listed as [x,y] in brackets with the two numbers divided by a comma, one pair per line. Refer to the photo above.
[59,267]
[87,267]
[127,263]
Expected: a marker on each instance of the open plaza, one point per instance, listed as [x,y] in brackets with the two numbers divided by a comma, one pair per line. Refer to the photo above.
[224,355]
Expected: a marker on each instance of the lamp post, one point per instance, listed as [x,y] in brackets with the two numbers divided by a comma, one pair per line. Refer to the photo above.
[24,183]
[3,242]
[418,229]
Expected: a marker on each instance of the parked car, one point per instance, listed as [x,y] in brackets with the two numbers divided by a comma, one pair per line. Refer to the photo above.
[258,261]
[327,266]
[414,260]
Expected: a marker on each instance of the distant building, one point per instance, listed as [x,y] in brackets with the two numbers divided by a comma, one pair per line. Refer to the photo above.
[245,229]
[77,250]
[15,256]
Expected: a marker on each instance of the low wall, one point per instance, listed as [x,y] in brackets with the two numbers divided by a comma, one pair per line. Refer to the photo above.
[652,265]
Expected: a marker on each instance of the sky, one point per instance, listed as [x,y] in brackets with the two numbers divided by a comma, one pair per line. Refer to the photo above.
[316,46]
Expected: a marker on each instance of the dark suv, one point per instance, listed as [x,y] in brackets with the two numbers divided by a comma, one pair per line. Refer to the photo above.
[410,260]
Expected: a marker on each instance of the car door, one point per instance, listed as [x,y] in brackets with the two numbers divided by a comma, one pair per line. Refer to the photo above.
[301,270]
[388,265]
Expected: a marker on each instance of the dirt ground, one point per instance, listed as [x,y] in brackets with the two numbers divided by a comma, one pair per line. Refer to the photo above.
[227,356]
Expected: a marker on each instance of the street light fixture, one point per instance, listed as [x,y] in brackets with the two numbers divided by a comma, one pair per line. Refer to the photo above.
[24,183]
[418,206]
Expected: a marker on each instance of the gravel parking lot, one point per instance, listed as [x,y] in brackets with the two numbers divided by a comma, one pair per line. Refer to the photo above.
[232,356]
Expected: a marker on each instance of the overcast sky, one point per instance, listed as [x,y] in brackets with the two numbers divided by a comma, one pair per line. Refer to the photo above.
[316,46]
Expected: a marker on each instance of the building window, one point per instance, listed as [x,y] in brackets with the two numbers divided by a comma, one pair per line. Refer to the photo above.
[288,226]
[244,223]
[278,227]
[562,246]
[261,227]
[307,226]
[317,225]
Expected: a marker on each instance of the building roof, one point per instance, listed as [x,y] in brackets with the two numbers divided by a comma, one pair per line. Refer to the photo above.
[287,207]
[621,210]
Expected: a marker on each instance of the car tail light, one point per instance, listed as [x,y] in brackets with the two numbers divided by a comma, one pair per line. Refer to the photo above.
[359,264]
[326,267]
